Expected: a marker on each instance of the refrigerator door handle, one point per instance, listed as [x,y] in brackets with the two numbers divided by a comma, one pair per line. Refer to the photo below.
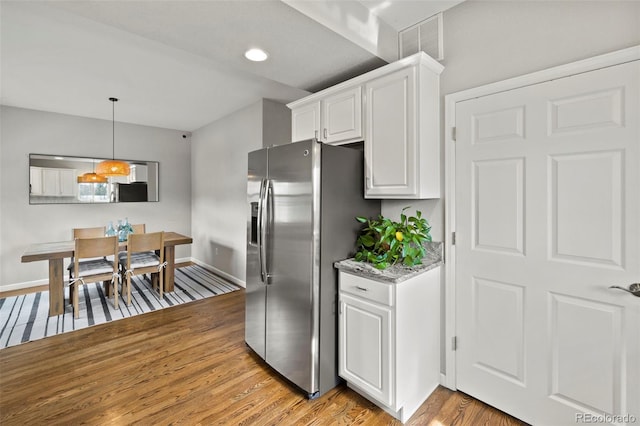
[265,228]
[261,209]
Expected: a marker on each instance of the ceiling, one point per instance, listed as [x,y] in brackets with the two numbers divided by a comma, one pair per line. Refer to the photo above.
[401,14]
[178,63]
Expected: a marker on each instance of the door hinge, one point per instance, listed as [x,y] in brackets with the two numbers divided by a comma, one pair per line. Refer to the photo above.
[453,238]
[453,134]
[454,343]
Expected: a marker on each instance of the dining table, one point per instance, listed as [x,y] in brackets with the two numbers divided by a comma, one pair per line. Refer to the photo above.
[56,252]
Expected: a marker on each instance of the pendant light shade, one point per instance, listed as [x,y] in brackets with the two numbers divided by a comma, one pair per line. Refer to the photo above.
[91,178]
[113,167]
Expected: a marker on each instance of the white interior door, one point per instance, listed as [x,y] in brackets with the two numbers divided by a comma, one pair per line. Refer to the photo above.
[547,218]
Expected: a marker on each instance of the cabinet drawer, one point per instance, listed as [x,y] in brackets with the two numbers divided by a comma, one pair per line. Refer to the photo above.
[367,289]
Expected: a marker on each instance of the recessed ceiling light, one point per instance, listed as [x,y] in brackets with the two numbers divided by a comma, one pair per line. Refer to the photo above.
[256,55]
[59,158]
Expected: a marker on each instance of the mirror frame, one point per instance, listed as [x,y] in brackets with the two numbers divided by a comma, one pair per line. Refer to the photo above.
[93,193]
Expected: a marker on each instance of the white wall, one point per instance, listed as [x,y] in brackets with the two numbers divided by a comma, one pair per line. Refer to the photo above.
[488,41]
[26,131]
[219,190]
[276,123]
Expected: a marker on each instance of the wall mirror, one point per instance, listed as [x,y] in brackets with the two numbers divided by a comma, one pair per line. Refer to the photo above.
[54,180]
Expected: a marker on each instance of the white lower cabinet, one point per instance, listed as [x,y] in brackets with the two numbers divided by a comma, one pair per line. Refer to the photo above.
[365,354]
[389,339]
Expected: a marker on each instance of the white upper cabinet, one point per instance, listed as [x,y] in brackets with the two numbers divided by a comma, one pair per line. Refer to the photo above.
[68,181]
[35,181]
[390,154]
[395,111]
[335,119]
[402,138]
[305,122]
[342,117]
[139,173]
[53,182]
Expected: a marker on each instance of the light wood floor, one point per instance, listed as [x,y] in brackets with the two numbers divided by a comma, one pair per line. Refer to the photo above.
[185,365]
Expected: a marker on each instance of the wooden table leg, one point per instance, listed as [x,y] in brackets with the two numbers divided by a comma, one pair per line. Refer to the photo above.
[106,286]
[169,271]
[56,287]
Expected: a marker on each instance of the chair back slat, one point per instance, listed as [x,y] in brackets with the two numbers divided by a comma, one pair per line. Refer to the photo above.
[139,228]
[89,232]
[145,242]
[96,247]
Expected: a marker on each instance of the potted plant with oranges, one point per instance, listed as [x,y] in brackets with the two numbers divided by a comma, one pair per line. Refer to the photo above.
[383,242]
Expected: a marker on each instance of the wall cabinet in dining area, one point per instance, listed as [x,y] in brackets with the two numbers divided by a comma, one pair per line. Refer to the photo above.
[53,182]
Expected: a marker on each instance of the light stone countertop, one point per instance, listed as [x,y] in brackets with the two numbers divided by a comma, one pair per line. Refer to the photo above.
[396,273]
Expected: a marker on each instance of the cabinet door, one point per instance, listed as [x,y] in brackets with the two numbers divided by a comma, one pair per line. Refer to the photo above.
[342,116]
[365,355]
[50,182]
[391,140]
[68,182]
[305,122]
[35,181]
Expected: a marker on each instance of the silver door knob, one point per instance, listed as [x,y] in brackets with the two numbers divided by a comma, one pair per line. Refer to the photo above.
[633,289]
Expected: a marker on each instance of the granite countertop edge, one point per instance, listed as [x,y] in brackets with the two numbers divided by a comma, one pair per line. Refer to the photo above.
[396,273]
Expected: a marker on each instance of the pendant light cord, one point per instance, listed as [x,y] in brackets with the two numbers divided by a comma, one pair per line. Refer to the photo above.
[113,127]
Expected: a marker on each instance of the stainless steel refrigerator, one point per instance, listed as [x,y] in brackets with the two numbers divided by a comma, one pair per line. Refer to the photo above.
[303,198]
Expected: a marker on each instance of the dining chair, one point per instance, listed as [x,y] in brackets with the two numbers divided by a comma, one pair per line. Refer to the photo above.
[91,264]
[95,232]
[139,228]
[98,231]
[145,254]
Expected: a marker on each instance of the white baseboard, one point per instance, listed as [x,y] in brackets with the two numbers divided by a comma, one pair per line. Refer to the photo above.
[26,284]
[217,271]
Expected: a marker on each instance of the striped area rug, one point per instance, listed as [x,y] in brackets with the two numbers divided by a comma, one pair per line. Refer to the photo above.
[26,317]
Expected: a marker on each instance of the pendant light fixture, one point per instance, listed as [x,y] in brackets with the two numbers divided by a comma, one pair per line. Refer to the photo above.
[92,177]
[113,167]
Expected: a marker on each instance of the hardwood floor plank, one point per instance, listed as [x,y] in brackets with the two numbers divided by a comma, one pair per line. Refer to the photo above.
[185,365]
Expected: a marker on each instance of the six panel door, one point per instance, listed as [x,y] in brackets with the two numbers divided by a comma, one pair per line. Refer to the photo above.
[547,218]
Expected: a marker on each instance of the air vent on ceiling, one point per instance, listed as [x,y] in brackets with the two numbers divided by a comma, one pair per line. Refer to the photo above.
[424,36]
